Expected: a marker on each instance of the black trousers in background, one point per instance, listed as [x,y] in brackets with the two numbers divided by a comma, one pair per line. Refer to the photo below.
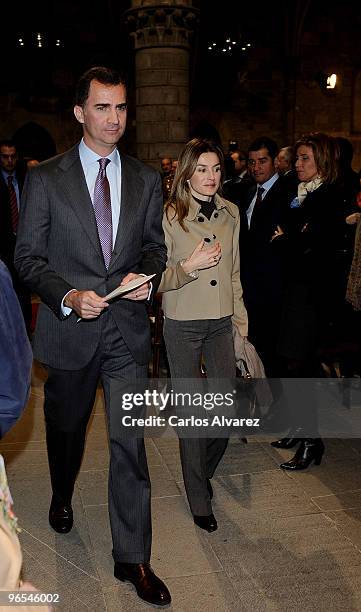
[263,332]
[186,343]
[69,399]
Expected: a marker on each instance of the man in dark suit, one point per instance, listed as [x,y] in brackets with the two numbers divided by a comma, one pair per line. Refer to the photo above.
[237,187]
[285,168]
[91,219]
[260,260]
[11,183]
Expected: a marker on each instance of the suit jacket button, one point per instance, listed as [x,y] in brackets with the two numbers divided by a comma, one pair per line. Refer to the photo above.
[213,283]
[207,239]
[215,215]
[200,219]
[214,236]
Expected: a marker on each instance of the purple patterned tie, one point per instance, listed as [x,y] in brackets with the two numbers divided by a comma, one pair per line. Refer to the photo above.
[103,210]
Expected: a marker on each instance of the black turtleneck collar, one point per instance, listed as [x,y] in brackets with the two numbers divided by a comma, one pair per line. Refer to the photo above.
[207,208]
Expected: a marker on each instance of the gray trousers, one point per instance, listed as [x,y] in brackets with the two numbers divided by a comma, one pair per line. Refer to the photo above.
[187,342]
[69,399]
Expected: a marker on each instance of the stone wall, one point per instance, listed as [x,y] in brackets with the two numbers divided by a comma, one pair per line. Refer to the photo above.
[61,125]
[162,103]
[257,103]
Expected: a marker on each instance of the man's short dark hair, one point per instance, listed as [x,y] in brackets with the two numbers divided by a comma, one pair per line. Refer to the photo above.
[265,143]
[7,143]
[105,76]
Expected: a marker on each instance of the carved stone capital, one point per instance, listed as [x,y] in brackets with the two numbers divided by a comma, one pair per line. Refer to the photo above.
[162,25]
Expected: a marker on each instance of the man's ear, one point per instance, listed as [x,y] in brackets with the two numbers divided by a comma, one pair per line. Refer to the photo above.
[79,113]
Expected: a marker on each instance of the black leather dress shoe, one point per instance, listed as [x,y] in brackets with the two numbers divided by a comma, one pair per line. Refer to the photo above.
[61,518]
[208,523]
[210,488]
[149,587]
[286,442]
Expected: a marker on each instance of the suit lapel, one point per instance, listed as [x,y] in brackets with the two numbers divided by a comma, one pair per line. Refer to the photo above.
[250,195]
[273,190]
[131,194]
[73,184]
[269,196]
[260,212]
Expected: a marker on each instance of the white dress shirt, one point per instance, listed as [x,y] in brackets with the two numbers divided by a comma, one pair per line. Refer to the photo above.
[266,186]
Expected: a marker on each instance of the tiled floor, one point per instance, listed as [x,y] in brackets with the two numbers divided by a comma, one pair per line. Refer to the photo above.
[286,542]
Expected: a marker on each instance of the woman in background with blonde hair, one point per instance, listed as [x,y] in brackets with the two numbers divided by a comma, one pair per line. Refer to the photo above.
[312,232]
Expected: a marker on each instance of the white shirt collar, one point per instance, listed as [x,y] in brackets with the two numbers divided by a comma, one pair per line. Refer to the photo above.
[6,174]
[268,184]
[88,156]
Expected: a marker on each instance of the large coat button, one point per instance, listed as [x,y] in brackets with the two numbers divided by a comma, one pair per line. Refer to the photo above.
[200,219]
[213,283]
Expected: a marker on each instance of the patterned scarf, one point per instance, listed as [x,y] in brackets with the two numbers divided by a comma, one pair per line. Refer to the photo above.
[307,187]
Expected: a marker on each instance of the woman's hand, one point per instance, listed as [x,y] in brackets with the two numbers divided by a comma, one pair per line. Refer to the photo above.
[203,257]
[277,233]
[351,219]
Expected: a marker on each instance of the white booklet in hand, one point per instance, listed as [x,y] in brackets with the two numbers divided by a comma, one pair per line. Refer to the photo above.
[137,282]
[122,289]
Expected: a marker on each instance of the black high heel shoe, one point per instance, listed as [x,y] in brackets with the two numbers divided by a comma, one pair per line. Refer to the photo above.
[286,442]
[310,450]
[208,523]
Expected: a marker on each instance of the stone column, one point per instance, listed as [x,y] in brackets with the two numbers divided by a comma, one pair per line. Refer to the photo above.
[162,33]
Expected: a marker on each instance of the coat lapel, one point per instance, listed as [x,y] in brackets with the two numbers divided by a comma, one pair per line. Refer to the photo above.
[131,194]
[73,184]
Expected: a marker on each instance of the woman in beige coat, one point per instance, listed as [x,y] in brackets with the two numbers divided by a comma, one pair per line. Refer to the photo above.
[202,298]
